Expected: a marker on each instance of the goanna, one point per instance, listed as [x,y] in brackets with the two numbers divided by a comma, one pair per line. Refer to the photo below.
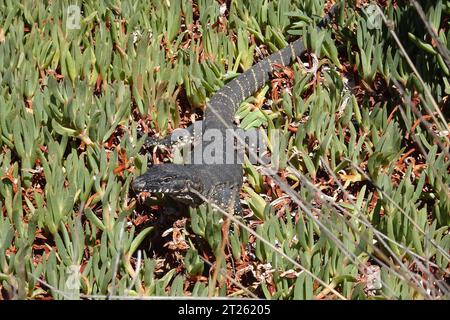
[217,182]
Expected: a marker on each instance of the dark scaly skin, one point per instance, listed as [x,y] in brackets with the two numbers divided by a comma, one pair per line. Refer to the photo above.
[219,183]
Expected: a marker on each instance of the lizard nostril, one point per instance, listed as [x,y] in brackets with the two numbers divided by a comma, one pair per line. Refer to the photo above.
[138,184]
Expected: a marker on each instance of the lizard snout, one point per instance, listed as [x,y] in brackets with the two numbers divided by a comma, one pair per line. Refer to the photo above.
[139,184]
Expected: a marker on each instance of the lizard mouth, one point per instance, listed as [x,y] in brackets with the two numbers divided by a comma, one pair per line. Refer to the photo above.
[157,190]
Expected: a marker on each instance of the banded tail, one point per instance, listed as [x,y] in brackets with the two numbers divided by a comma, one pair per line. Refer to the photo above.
[224,102]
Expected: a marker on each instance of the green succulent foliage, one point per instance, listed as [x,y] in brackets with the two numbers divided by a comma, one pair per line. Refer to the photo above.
[69,148]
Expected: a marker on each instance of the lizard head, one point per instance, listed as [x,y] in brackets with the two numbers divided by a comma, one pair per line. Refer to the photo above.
[168,178]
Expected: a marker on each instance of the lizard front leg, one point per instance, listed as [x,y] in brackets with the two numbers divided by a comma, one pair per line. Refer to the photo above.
[225,194]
